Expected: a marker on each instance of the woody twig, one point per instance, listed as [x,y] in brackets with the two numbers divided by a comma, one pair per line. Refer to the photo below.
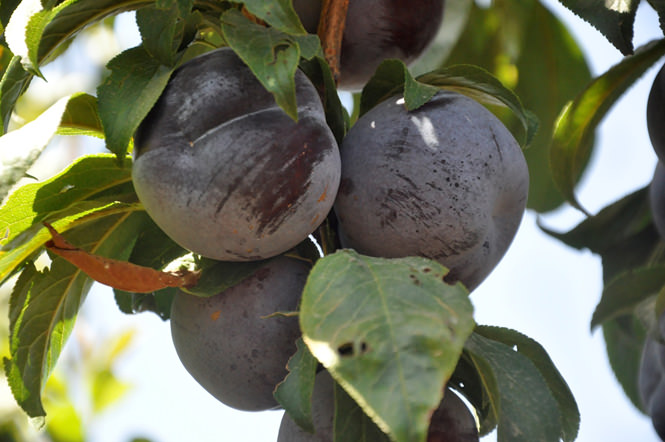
[331,29]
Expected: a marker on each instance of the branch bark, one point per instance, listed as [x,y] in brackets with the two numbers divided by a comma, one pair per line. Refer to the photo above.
[331,30]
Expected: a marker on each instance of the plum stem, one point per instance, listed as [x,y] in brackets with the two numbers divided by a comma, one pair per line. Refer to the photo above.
[331,30]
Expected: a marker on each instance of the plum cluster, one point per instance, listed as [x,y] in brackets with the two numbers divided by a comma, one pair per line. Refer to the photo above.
[228,175]
[651,380]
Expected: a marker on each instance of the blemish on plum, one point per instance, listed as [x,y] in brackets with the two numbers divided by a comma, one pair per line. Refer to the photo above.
[346,186]
[215,315]
[296,153]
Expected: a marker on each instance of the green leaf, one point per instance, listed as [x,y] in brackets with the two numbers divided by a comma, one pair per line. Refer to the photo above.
[15,81]
[570,415]
[51,28]
[127,95]
[217,276]
[526,408]
[319,72]
[659,6]
[390,78]
[272,56]
[106,389]
[484,87]
[351,423]
[623,293]
[93,186]
[75,115]
[7,7]
[614,19]
[155,249]
[578,121]
[162,30]
[294,393]
[44,305]
[624,340]
[279,14]
[36,32]
[614,224]
[479,387]
[390,331]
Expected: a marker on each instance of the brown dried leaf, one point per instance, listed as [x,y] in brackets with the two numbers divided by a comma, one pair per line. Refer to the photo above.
[120,275]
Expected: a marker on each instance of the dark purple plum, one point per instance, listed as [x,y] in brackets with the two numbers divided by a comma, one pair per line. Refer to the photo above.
[651,382]
[656,114]
[377,30]
[452,421]
[657,198]
[447,181]
[224,171]
[227,342]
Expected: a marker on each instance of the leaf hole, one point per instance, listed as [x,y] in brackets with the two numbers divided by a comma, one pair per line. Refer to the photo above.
[349,349]
[450,279]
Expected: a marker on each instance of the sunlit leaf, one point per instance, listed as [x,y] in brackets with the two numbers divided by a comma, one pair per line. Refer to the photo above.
[390,331]
[75,115]
[44,305]
[36,31]
[48,31]
[106,389]
[93,186]
[578,121]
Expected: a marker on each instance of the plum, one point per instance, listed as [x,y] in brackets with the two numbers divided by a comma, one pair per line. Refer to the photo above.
[651,382]
[656,114]
[228,174]
[378,30]
[227,342]
[447,181]
[451,421]
[657,198]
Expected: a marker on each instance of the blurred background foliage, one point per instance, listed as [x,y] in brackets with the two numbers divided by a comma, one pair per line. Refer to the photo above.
[84,385]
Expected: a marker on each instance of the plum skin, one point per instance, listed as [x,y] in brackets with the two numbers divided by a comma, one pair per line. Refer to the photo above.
[378,30]
[452,421]
[651,378]
[227,343]
[224,171]
[656,114]
[657,198]
[447,181]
